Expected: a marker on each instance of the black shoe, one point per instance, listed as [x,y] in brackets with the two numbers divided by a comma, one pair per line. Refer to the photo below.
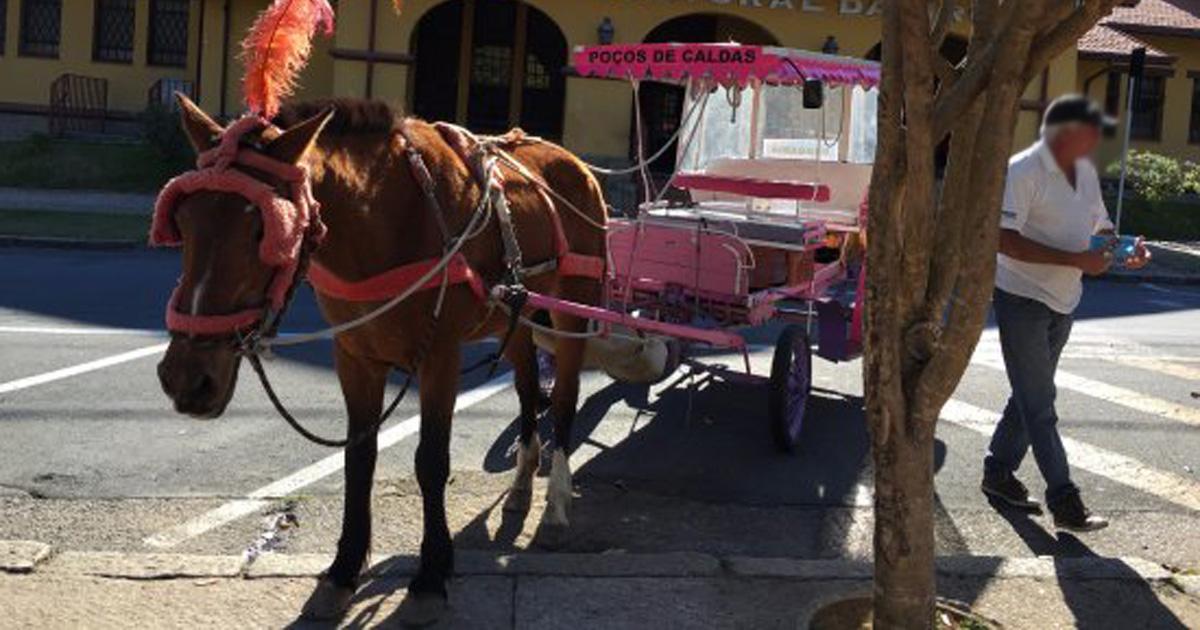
[1009,490]
[1070,514]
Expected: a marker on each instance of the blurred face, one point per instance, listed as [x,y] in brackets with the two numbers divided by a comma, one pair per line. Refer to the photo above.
[1076,142]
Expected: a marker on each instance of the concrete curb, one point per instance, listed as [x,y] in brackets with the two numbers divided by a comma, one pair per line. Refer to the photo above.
[1188,584]
[22,556]
[33,557]
[1092,568]
[149,566]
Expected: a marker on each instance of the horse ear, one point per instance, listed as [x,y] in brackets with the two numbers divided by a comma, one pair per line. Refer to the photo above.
[292,144]
[201,130]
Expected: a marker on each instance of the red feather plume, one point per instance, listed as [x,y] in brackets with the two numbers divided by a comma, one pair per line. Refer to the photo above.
[278,47]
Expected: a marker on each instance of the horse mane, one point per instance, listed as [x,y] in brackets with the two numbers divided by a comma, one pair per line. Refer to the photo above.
[351,116]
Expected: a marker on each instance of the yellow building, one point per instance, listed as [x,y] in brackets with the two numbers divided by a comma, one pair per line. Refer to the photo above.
[492,64]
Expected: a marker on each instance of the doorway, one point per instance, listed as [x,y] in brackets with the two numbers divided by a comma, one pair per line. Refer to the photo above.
[490,65]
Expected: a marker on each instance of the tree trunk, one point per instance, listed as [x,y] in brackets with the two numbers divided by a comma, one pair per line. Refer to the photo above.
[905,590]
[931,250]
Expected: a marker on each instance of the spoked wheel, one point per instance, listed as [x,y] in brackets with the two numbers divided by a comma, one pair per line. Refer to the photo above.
[791,384]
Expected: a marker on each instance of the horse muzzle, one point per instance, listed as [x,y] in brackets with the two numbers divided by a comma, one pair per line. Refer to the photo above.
[200,380]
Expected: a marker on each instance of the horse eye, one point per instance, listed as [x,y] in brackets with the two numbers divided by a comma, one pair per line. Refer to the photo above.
[249,208]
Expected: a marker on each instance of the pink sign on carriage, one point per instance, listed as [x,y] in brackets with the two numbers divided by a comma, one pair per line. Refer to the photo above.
[726,64]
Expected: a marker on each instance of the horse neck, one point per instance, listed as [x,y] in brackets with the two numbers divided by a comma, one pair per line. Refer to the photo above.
[372,205]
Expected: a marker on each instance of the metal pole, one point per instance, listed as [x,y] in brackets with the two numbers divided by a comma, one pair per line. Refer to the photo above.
[1125,152]
[1137,66]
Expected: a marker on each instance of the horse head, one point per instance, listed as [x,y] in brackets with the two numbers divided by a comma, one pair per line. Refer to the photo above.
[243,219]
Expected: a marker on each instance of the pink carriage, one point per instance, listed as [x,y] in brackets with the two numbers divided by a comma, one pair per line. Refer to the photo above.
[774,157]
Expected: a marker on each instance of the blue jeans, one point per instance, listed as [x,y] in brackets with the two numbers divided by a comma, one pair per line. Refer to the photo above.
[1032,336]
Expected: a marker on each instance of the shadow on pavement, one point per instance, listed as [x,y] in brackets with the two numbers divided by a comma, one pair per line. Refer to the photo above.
[665,485]
[1088,611]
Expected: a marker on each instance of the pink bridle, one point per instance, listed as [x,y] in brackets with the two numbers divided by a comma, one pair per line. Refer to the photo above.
[288,223]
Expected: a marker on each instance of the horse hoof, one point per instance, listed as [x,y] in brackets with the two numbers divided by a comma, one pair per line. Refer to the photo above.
[328,601]
[421,609]
[555,516]
[518,500]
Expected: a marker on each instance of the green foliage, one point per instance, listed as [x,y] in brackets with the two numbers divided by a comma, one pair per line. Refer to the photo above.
[1163,220]
[1158,178]
[43,162]
[162,131]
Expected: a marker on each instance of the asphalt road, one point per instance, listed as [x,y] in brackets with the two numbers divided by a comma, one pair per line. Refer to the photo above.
[98,460]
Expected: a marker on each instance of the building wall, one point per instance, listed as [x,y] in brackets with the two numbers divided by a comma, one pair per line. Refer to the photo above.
[26,80]
[315,82]
[597,113]
[597,117]
[1178,109]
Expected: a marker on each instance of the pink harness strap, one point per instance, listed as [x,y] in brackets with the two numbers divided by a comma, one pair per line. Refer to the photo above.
[389,284]
[466,147]
[209,324]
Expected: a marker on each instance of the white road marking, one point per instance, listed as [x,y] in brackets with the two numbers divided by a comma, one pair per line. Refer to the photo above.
[1168,366]
[79,330]
[1124,470]
[260,498]
[83,368]
[1169,291]
[1128,398]
[1170,304]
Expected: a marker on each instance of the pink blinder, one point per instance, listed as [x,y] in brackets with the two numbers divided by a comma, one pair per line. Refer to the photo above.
[287,221]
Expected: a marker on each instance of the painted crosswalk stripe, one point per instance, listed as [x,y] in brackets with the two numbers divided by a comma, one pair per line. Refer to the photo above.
[82,368]
[261,498]
[1122,396]
[1167,367]
[80,331]
[1124,470]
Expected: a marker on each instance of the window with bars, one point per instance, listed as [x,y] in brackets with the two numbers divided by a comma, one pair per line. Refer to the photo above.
[168,33]
[1148,110]
[3,24]
[1194,123]
[112,39]
[41,27]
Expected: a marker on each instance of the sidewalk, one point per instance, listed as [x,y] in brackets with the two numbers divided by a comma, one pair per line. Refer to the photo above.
[612,590]
[91,201]
[1174,262]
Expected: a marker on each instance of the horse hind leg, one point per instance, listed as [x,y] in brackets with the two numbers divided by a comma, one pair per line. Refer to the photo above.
[568,356]
[522,354]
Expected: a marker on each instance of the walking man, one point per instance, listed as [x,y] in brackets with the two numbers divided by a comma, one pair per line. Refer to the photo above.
[1052,208]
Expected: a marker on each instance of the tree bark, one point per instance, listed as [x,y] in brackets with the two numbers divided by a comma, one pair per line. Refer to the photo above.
[905,588]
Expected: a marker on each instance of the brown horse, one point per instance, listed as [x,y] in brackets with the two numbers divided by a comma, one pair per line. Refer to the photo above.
[378,219]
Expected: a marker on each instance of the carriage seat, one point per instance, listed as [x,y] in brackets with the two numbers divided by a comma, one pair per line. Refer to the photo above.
[846,183]
[752,187]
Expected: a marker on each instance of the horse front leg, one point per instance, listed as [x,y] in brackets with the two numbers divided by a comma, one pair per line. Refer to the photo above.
[522,354]
[427,594]
[363,382]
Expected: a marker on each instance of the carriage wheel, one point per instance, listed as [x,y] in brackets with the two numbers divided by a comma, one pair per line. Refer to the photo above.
[790,385]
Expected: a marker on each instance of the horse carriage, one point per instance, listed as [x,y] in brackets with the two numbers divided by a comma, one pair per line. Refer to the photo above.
[460,237]
[774,156]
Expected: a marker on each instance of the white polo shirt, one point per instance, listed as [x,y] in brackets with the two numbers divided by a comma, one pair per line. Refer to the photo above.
[1041,205]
